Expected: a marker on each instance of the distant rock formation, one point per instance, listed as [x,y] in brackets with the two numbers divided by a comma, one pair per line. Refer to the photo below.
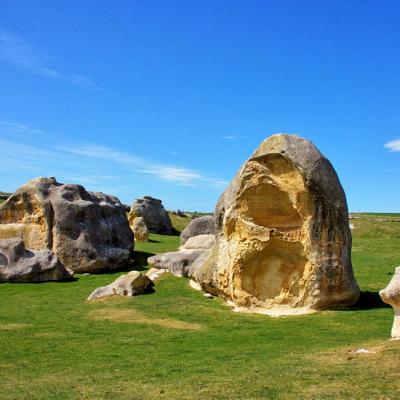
[199,226]
[155,217]
[4,195]
[88,232]
[283,237]
[139,228]
[391,295]
[17,264]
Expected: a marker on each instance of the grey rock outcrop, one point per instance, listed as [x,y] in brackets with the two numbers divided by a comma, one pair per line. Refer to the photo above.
[132,284]
[177,262]
[88,232]
[153,212]
[282,231]
[18,264]
[199,226]
[199,242]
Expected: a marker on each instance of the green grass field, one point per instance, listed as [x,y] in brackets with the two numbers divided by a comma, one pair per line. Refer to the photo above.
[176,344]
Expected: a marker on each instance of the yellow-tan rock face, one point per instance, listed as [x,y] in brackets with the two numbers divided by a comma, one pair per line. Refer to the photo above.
[139,228]
[283,238]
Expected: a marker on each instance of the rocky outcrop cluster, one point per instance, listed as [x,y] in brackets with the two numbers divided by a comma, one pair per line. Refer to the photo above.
[179,262]
[18,264]
[88,232]
[391,295]
[154,214]
[282,238]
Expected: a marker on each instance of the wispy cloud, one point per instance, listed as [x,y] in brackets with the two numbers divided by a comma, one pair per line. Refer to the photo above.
[17,129]
[233,137]
[16,51]
[176,174]
[393,145]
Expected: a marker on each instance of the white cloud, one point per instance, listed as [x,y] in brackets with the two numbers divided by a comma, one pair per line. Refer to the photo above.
[85,83]
[16,51]
[232,137]
[17,129]
[393,145]
[177,174]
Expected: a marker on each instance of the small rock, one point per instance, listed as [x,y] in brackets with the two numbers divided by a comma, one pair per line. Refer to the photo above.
[208,295]
[132,284]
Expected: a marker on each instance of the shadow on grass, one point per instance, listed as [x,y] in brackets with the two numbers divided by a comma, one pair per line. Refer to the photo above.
[366,301]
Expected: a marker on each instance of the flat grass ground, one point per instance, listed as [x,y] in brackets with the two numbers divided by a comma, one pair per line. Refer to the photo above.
[176,344]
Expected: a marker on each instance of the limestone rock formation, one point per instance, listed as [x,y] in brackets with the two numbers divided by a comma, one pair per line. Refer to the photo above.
[132,284]
[153,212]
[177,262]
[89,232]
[18,264]
[199,226]
[391,295]
[282,230]
[139,229]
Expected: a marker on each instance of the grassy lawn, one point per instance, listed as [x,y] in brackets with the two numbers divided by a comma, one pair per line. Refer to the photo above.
[176,344]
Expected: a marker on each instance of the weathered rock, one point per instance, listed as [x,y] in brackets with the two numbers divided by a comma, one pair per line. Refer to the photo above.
[89,232]
[283,237]
[199,242]
[139,228]
[391,295]
[204,271]
[155,273]
[18,264]
[155,217]
[199,226]
[132,284]
[177,262]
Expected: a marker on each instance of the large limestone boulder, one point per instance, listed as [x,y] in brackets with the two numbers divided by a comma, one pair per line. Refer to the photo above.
[139,229]
[283,237]
[153,212]
[199,226]
[132,284]
[18,264]
[391,295]
[88,232]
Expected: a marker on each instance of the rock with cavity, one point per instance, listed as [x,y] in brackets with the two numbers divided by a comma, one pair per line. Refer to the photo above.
[132,284]
[139,229]
[177,262]
[199,226]
[88,232]
[282,231]
[153,212]
[199,242]
[391,295]
[18,264]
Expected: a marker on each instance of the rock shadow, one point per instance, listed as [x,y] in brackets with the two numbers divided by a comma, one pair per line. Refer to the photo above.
[367,301]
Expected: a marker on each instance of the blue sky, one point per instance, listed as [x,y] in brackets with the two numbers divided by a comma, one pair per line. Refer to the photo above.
[169,98]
